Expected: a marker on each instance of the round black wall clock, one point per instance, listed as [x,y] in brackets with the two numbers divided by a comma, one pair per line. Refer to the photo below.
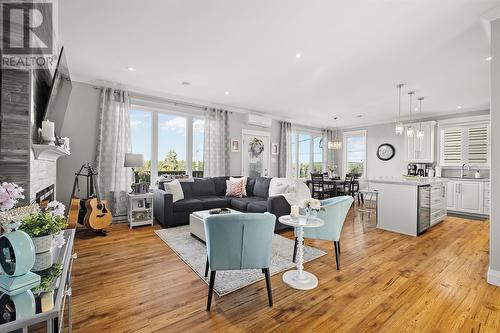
[385,151]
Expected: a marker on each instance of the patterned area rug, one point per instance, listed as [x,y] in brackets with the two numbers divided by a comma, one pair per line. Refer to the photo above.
[194,253]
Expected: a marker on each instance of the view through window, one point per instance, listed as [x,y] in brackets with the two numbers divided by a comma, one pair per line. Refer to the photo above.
[170,155]
[307,154]
[355,153]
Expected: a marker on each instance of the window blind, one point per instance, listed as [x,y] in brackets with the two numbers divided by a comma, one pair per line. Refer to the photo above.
[452,146]
[477,152]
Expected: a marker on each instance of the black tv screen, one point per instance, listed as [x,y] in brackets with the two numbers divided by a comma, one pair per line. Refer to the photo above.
[59,94]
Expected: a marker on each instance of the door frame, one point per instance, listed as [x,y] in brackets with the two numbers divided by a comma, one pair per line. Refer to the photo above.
[257,133]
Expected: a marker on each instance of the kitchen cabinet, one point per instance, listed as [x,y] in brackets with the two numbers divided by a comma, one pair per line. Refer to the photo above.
[438,203]
[420,150]
[467,197]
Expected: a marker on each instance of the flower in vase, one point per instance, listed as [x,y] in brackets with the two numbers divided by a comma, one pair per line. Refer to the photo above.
[10,194]
[55,208]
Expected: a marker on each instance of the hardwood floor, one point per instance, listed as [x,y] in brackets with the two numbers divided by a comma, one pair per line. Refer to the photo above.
[130,281]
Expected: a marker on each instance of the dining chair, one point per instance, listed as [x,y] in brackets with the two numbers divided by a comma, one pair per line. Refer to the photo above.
[334,212]
[236,242]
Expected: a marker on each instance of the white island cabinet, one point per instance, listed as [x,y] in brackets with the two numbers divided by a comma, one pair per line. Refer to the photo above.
[409,206]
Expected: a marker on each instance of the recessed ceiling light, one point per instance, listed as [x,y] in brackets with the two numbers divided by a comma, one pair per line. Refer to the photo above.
[459,107]
[227,93]
[359,115]
[186,83]
[298,55]
[489,58]
[335,118]
[131,69]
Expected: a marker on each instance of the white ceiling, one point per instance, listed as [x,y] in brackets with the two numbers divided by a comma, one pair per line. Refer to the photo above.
[353,53]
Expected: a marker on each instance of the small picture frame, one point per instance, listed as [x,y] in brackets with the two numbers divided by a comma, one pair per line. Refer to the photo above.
[140,203]
[235,146]
[275,149]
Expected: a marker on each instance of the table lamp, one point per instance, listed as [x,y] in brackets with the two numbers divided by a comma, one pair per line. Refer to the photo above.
[133,161]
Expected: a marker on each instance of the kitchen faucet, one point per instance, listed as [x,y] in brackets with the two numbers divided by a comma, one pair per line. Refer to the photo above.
[462,175]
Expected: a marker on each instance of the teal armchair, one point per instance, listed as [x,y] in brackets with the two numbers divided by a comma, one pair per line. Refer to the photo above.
[239,241]
[334,213]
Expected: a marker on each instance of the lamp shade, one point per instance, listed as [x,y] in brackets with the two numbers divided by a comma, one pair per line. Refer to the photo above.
[133,160]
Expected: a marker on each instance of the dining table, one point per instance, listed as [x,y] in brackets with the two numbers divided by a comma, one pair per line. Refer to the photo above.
[336,182]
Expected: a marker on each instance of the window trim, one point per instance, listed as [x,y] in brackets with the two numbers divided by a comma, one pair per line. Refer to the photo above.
[312,134]
[346,135]
[155,112]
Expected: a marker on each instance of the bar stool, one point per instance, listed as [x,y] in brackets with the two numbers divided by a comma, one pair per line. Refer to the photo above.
[367,201]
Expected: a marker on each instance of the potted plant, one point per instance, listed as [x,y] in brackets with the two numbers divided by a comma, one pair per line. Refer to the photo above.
[41,227]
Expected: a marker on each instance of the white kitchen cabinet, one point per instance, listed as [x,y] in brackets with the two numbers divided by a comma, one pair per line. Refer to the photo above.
[438,203]
[467,197]
[420,150]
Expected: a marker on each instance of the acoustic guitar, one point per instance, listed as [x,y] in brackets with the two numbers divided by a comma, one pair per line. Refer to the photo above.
[98,216]
[74,206]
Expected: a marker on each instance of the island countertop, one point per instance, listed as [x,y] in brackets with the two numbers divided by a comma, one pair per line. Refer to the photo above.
[422,181]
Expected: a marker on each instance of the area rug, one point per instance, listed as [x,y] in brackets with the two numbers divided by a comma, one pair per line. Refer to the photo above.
[194,253]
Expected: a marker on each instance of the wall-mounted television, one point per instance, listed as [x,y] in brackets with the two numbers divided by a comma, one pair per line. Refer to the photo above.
[59,94]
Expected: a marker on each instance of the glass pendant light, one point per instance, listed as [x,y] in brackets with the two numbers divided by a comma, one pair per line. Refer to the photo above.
[410,131]
[336,143]
[399,128]
[420,132]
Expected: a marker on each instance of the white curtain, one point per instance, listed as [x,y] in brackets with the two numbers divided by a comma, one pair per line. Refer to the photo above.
[216,146]
[113,142]
[328,136]
[285,151]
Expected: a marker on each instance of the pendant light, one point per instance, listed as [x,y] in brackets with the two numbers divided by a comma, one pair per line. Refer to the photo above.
[336,143]
[420,132]
[399,128]
[410,131]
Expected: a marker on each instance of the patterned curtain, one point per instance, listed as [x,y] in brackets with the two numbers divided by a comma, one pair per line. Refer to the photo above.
[327,151]
[285,158]
[113,142]
[216,146]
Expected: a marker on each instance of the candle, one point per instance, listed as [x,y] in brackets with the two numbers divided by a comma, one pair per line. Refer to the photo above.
[294,211]
[48,130]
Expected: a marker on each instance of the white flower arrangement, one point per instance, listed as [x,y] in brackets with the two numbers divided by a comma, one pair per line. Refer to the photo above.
[311,204]
[55,208]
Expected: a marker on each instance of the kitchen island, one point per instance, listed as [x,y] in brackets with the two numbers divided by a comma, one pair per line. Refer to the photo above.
[409,206]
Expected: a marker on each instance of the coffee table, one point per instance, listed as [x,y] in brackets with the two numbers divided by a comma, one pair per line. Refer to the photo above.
[196,219]
[300,279]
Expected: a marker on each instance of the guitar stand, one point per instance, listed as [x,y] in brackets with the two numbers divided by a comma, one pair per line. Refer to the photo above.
[100,232]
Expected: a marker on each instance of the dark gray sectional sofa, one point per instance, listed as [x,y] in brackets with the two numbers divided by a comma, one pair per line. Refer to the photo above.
[208,193]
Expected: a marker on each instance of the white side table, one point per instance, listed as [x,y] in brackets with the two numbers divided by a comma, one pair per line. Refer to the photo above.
[140,209]
[300,279]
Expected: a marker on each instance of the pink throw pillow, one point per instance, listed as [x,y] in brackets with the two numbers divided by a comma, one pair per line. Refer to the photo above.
[233,189]
[243,181]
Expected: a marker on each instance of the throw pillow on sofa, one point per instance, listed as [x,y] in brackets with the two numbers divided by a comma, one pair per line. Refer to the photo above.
[174,188]
[233,189]
[243,181]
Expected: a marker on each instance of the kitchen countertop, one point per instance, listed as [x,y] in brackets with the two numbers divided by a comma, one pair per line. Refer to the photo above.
[466,179]
[411,182]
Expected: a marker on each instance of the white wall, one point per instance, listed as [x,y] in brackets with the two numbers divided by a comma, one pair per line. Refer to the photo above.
[494,272]
[80,126]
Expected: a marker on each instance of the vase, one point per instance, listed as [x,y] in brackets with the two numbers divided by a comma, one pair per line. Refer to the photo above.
[311,213]
[43,261]
[42,244]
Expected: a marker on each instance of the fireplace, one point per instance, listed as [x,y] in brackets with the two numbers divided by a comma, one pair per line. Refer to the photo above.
[43,197]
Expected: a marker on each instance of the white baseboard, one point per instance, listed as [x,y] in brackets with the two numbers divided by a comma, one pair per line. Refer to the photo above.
[493,277]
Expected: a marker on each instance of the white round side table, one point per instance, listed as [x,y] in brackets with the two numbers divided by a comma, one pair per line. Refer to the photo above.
[300,279]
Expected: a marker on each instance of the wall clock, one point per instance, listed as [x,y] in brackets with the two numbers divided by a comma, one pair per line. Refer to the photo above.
[385,151]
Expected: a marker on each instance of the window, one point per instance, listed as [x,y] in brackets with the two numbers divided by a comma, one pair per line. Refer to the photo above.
[307,154]
[464,144]
[355,152]
[171,143]
[140,128]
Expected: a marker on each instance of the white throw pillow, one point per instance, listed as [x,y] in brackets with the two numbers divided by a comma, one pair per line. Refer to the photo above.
[174,187]
[279,187]
[243,181]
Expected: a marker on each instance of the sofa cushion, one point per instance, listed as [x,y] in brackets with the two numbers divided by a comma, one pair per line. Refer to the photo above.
[220,185]
[187,205]
[186,188]
[210,202]
[250,186]
[257,207]
[261,188]
[203,187]
[174,188]
[242,203]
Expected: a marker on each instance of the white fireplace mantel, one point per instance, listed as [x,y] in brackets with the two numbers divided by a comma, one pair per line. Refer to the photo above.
[48,152]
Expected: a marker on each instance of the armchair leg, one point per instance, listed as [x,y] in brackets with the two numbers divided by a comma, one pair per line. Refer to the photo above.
[337,253]
[295,250]
[210,289]
[268,284]
[206,268]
